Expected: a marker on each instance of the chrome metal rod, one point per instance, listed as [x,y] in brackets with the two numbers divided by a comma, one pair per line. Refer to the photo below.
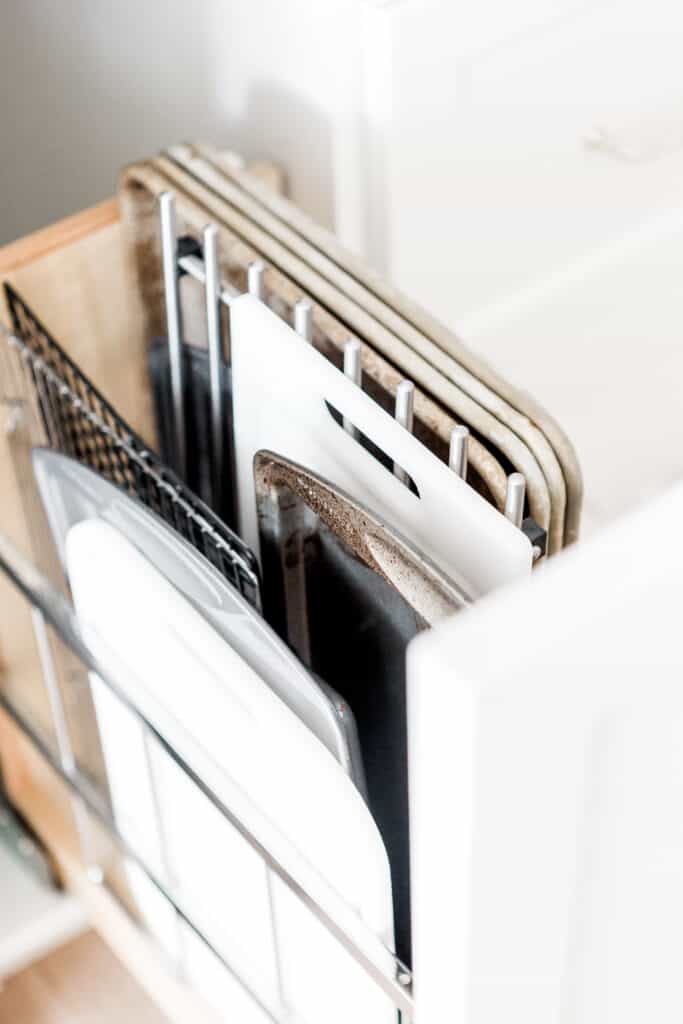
[256,280]
[352,361]
[457,456]
[174,328]
[514,498]
[165,859]
[303,319]
[193,266]
[64,748]
[353,370]
[277,938]
[212,291]
[405,395]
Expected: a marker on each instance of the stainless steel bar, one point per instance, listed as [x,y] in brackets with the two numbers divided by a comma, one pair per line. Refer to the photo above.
[405,395]
[212,288]
[352,361]
[173,325]
[256,280]
[353,370]
[64,747]
[514,498]
[303,319]
[166,865]
[193,266]
[277,947]
[457,456]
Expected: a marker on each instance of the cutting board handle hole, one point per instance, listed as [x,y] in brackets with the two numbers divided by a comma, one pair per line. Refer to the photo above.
[364,441]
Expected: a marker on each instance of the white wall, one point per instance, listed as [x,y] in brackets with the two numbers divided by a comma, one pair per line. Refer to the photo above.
[89,85]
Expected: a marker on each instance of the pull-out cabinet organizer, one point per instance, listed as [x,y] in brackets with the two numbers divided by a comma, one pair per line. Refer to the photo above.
[97,284]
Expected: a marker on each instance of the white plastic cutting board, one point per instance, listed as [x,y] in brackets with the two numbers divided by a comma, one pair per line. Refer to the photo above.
[202,696]
[546,791]
[280,387]
[72,493]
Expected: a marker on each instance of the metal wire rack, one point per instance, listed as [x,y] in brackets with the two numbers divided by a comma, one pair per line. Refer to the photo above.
[80,422]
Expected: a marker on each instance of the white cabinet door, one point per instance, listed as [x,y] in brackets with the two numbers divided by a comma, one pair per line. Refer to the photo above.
[525,165]
[546,791]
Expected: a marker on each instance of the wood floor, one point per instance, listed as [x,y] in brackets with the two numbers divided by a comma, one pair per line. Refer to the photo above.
[80,983]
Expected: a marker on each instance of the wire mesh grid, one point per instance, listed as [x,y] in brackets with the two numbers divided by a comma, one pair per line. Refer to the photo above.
[80,422]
